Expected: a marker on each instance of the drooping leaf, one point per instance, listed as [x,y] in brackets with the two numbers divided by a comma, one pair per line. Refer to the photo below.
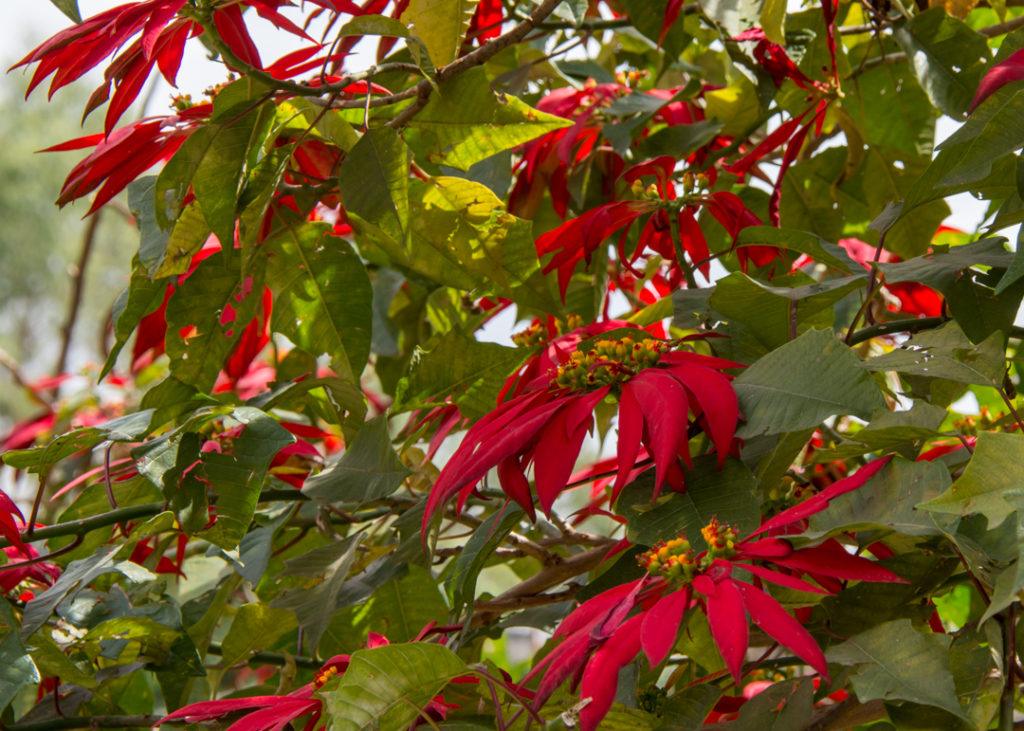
[470,371]
[774,313]
[388,687]
[144,295]
[441,25]
[803,382]
[466,122]
[313,606]
[322,296]
[237,477]
[74,579]
[729,493]
[461,581]
[947,58]
[374,182]
[991,483]
[255,627]
[368,470]
[895,662]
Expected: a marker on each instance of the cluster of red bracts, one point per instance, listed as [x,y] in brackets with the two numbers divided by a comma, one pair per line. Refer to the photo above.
[606,632]
[662,393]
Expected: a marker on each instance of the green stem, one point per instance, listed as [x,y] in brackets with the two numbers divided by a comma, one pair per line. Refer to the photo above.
[1007,620]
[272,658]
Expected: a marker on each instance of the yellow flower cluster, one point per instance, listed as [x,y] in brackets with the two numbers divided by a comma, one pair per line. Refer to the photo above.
[608,362]
[721,539]
[672,559]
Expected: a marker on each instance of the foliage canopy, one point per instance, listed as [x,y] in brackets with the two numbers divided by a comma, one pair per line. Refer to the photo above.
[727,471]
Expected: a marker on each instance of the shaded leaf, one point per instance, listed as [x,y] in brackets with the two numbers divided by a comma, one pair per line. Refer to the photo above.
[803,382]
[374,182]
[255,627]
[387,687]
[322,296]
[441,25]
[729,493]
[992,482]
[467,122]
[368,470]
[461,581]
[237,477]
[895,662]
[946,353]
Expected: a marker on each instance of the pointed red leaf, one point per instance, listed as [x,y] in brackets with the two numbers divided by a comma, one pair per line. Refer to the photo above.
[693,241]
[778,624]
[601,677]
[820,501]
[717,400]
[631,431]
[231,27]
[515,485]
[727,620]
[596,609]
[661,625]
[665,408]
[790,582]
[1008,70]
[832,560]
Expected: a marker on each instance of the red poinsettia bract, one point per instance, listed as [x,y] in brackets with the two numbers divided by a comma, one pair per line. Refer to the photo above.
[657,389]
[275,712]
[607,631]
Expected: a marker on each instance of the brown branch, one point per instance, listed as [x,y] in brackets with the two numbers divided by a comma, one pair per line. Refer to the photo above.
[77,288]
[487,607]
[54,724]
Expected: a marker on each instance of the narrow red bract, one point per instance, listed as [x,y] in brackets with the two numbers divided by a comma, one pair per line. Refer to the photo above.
[607,631]
[662,395]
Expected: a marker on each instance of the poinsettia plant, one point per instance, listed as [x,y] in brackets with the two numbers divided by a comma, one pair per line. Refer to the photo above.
[528,363]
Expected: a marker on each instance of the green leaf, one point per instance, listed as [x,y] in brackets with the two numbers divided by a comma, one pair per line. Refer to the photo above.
[901,431]
[129,428]
[895,662]
[805,242]
[946,353]
[887,502]
[144,295]
[735,16]
[775,314]
[374,182]
[255,627]
[69,8]
[458,365]
[462,236]
[237,477]
[773,21]
[218,178]
[941,269]
[992,483]
[322,296]
[399,609]
[729,493]
[76,577]
[461,581]
[368,470]
[16,669]
[441,25]
[206,317]
[784,706]
[187,237]
[467,122]
[314,605]
[947,56]
[153,243]
[388,687]
[802,383]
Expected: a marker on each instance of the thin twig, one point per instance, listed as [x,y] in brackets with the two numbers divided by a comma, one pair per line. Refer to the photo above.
[77,287]
[39,559]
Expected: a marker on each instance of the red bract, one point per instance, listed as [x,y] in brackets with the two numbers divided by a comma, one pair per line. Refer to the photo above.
[657,389]
[17,569]
[274,712]
[126,153]
[1008,70]
[606,632]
